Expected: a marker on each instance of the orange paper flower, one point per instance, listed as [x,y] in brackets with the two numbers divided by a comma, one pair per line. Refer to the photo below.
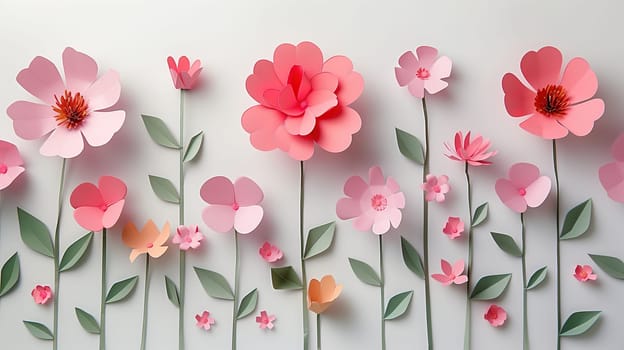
[149,240]
[321,294]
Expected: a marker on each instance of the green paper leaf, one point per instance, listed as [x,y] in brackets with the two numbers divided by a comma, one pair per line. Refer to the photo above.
[397,305]
[159,132]
[172,292]
[248,304]
[319,240]
[613,266]
[285,278]
[480,215]
[506,243]
[38,330]
[537,278]
[75,252]
[579,323]
[411,258]
[365,272]
[121,290]
[10,274]
[490,287]
[87,321]
[214,284]
[577,221]
[34,233]
[410,146]
[164,189]
[194,146]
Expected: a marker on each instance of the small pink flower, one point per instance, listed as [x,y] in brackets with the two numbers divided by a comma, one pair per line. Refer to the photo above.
[584,273]
[98,207]
[424,72]
[270,253]
[184,74]
[451,274]
[612,174]
[10,164]
[474,152]
[204,320]
[188,237]
[264,320]
[436,187]
[525,187]
[41,294]
[454,227]
[496,315]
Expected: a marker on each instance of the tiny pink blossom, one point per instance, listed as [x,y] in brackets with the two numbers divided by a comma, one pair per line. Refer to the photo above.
[454,227]
[451,274]
[41,294]
[270,253]
[188,237]
[495,315]
[584,273]
[264,320]
[204,320]
[436,187]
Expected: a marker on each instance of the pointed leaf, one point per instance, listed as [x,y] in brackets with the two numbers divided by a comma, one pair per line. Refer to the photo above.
[613,266]
[480,214]
[410,146]
[34,233]
[365,272]
[164,189]
[87,321]
[248,304]
[579,323]
[194,146]
[577,221]
[537,278]
[172,292]
[121,290]
[75,252]
[490,287]
[411,258]
[506,243]
[397,305]
[10,274]
[319,239]
[214,284]
[38,330]
[159,132]
[285,278]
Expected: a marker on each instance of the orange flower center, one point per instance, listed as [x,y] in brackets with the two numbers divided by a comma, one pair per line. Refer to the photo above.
[379,202]
[3,168]
[552,101]
[71,110]
[423,73]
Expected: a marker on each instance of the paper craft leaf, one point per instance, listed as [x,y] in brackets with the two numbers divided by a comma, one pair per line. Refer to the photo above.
[490,287]
[365,272]
[398,304]
[214,284]
[579,323]
[87,321]
[10,274]
[121,290]
[577,221]
[75,252]
[194,146]
[38,330]
[506,243]
[613,266]
[172,292]
[164,189]
[34,233]
[537,278]
[411,258]
[480,214]
[319,239]
[159,132]
[410,146]
[248,304]
[285,278]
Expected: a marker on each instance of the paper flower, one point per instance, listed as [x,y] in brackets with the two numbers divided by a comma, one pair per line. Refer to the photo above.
[270,253]
[612,174]
[436,187]
[554,104]
[188,237]
[584,273]
[321,294]
[525,187]
[303,101]
[495,315]
[475,152]
[376,203]
[204,320]
[232,205]
[183,74]
[265,321]
[79,106]
[454,227]
[41,294]
[98,207]
[150,240]
[424,72]
[10,164]
[451,274]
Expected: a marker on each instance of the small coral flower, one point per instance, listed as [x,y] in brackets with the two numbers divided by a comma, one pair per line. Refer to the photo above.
[451,274]
[98,207]
[474,152]
[436,187]
[41,294]
[10,164]
[454,227]
[183,74]
[424,72]
[204,320]
[188,237]
[270,253]
[495,315]
[149,240]
[524,188]
[321,294]
[265,321]
[584,273]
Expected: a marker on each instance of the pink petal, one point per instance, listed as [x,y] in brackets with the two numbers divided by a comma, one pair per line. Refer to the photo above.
[113,189]
[99,127]
[581,117]
[579,80]
[509,195]
[355,187]
[409,62]
[300,125]
[247,192]
[80,70]
[246,219]
[348,208]
[288,103]
[375,176]
[458,268]
[86,195]
[363,222]
[612,179]
[397,200]
[306,54]
[392,185]
[89,217]
[12,173]
[261,123]
[426,56]
[336,127]
[542,67]
[350,83]
[262,79]
[381,226]
[435,85]
[460,279]
[417,88]
[297,147]
[112,214]
[320,101]
[445,280]
[403,76]
[519,100]
[219,217]
[31,120]
[537,192]
[324,81]
[183,64]
[395,217]
[218,190]
[104,92]
[63,142]
[522,175]
[447,269]
[544,127]
[617,150]
[440,69]
[9,155]
[42,80]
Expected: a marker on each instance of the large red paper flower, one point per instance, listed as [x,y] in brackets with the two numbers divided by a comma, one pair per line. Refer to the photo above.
[303,101]
[555,104]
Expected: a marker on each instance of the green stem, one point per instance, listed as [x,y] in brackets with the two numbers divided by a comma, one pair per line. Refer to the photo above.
[382,296]
[525,325]
[103,294]
[236,290]
[557,266]
[145,299]
[468,320]
[304,294]
[182,263]
[426,231]
[57,252]
[318,331]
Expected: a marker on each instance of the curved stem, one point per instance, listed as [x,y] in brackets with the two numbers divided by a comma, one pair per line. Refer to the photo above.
[382,297]
[467,325]
[426,231]
[318,331]
[57,251]
[182,263]
[525,325]
[557,266]
[145,299]
[304,294]
[103,294]
[236,284]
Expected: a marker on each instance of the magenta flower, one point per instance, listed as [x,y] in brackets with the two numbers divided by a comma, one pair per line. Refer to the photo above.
[525,187]
[474,152]
[436,187]
[183,74]
[10,164]
[188,237]
[98,207]
[204,320]
[451,274]
[495,315]
[41,294]
[612,174]
[374,204]
[265,321]
[424,72]
[79,106]
[270,253]
[584,273]
[454,227]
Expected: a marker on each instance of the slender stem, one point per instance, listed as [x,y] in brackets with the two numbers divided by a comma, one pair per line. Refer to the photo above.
[145,299]
[236,290]
[318,331]
[557,267]
[467,325]
[525,325]
[103,294]
[426,231]
[182,264]
[304,294]
[382,297]
[57,251]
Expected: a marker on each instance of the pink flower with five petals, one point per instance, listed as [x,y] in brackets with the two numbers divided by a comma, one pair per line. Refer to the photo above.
[41,294]
[265,321]
[204,320]
[188,237]
[495,315]
[584,273]
[451,274]
[183,74]
[524,188]
[454,227]
[10,164]
[424,72]
[270,253]
[436,187]
[98,207]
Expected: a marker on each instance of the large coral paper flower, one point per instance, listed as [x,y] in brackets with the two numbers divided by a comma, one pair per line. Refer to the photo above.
[424,72]
[70,109]
[321,294]
[98,207]
[303,100]
[10,164]
[555,103]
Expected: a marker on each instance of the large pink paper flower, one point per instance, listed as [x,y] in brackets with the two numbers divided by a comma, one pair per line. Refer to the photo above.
[424,72]
[475,152]
[71,109]
[451,274]
[525,187]
[436,187]
[555,104]
[98,207]
[10,164]
[495,315]
[584,273]
[612,174]
[183,74]
[232,205]
[303,101]
[376,203]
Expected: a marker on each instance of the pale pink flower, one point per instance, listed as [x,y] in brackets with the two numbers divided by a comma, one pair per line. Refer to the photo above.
[525,187]
[454,227]
[436,187]
[265,321]
[183,74]
[451,274]
[584,273]
[474,152]
[41,294]
[495,315]
[188,237]
[204,320]
[10,164]
[424,72]
[270,253]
